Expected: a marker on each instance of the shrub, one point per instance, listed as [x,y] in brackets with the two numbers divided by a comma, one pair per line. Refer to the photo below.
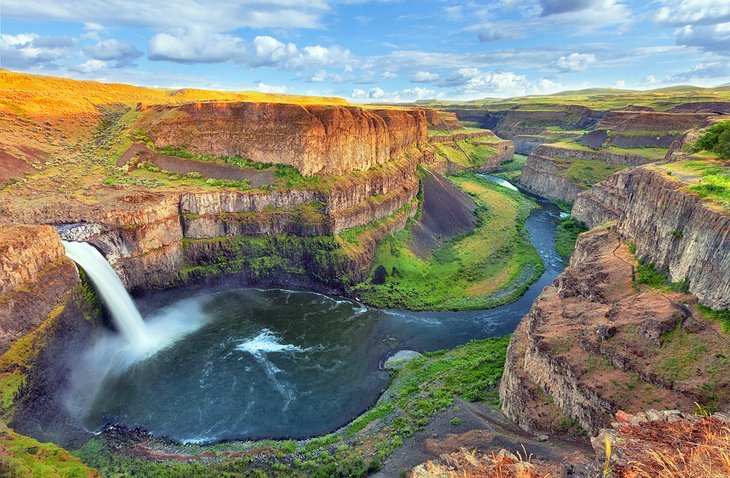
[716,139]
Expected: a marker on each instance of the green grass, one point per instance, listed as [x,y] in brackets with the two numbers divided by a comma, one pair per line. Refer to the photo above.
[467,153]
[715,139]
[24,457]
[710,179]
[448,132]
[721,316]
[490,266]
[511,170]
[566,236]
[586,173]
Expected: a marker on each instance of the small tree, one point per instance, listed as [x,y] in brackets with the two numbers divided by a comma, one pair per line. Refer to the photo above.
[716,139]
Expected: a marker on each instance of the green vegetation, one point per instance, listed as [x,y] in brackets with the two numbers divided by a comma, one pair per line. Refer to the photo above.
[596,98]
[715,139]
[511,170]
[448,132]
[709,179]
[722,316]
[586,173]
[24,457]
[490,266]
[566,234]
[423,388]
[467,153]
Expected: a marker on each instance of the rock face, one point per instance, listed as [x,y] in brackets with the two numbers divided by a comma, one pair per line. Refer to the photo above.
[35,276]
[594,344]
[670,227]
[314,139]
[513,122]
[545,172]
[544,176]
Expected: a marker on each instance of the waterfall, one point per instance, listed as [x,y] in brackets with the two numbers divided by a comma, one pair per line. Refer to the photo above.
[125,314]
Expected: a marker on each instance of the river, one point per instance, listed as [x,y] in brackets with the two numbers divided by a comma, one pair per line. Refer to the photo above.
[279,363]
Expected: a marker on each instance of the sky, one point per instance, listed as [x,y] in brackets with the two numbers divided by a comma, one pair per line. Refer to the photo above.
[368,51]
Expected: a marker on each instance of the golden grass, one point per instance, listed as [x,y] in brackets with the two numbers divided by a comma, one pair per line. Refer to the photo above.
[466,464]
[27,94]
[681,450]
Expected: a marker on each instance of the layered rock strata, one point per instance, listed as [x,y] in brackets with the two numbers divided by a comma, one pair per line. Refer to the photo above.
[592,344]
[314,139]
[670,226]
[35,276]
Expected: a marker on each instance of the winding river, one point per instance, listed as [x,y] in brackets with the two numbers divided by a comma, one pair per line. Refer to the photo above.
[279,363]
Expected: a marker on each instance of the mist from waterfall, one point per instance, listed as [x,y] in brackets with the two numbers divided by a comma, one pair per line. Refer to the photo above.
[136,340]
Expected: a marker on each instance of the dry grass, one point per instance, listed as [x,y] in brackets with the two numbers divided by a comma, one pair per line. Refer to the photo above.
[26,94]
[465,464]
[682,449]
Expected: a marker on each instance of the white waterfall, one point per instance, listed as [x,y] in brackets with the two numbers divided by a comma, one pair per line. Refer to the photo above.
[125,314]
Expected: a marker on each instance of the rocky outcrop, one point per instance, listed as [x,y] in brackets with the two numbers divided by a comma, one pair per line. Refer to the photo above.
[544,176]
[591,341]
[622,120]
[608,157]
[546,172]
[670,226]
[508,123]
[314,139]
[35,276]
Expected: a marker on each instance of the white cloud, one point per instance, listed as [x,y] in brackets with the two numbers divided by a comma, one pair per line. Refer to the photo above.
[264,88]
[198,46]
[122,52]
[29,50]
[389,75]
[213,15]
[575,62]
[711,70]
[693,12]
[474,83]
[424,77]
[90,66]
[319,75]
[714,38]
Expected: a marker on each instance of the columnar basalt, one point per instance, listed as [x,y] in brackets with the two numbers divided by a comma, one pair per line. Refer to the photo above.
[670,226]
[35,276]
[592,343]
[314,139]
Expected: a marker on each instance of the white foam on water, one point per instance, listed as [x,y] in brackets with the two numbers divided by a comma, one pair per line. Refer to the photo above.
[267,342]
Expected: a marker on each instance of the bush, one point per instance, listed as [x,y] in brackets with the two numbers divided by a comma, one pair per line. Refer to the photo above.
[716,139]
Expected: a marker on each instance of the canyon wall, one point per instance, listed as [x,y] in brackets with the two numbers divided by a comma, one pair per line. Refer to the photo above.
[670,226]
[35,277]
[593,343]
[547,171]
[314,139]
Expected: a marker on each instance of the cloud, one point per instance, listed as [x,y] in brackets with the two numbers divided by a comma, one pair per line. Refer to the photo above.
[213,15]
[713,38]
[424,77]
[90,66]
[198,46]
[122,53]
[584,16]
[30,50]
[491,33]
[264,88]
[693,12]
[474,83]
[407,94]
[389,75]
[574,62]
[717,69]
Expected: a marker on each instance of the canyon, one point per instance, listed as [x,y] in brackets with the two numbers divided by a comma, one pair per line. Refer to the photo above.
[192,189]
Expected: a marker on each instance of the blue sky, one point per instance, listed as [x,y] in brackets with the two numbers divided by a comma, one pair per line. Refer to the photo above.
[373,50]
